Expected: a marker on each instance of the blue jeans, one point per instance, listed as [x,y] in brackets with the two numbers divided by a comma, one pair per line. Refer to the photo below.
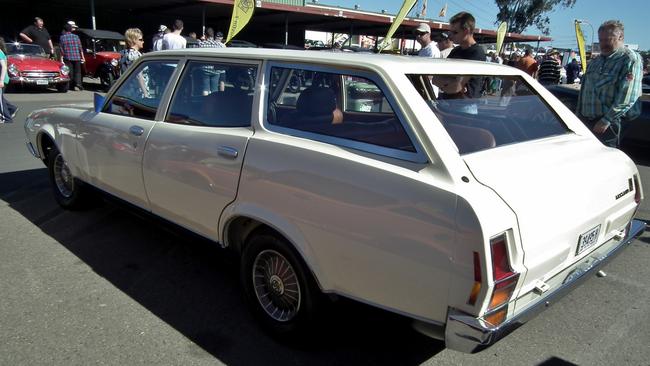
[6,108]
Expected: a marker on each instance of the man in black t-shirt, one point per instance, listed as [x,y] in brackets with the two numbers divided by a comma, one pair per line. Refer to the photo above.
[462,33]
[38,34]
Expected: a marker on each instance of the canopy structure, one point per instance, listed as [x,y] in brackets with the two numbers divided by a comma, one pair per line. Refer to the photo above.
[275,21]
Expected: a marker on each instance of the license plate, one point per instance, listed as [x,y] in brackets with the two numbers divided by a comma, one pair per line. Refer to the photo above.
[588,240]
[42,82]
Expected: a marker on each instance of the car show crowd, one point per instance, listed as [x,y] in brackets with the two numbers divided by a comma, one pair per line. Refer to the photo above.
[610,89]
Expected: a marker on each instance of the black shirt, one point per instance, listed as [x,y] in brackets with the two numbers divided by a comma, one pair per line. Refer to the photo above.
[474,52]
[39,36]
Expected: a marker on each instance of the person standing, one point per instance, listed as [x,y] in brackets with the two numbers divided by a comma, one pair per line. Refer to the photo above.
[212,77]
[72,55]
[611,86]
[550,71]
[527,63]
[174,40]
[462,33]
[38,34]
[445,45]
[157,41]
[572,71]
[134,43]
[7,110]
[423,36]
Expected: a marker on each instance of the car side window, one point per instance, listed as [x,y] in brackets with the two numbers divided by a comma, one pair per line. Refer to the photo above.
[336,105]
[139,96]
[214,94]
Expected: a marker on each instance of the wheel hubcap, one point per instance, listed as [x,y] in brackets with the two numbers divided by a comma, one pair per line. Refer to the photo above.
[276,285]
[62,177]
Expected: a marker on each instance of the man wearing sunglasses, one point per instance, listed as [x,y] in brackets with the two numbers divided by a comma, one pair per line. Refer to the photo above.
[423,36]
[462,33]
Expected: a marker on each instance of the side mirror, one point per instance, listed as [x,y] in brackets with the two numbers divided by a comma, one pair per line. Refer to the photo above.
[98,102]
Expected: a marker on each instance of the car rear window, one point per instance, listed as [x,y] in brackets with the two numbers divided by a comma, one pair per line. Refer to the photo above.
[482,112]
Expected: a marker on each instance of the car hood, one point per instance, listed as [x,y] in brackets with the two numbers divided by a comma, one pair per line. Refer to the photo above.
[33,63]
[108,55]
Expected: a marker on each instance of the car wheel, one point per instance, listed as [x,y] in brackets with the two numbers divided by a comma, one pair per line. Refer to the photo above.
[69,192]
[279,288]
[63,87]
[107,80]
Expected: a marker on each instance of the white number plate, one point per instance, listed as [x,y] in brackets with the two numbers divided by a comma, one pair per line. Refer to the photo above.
[588,240]
[41,82]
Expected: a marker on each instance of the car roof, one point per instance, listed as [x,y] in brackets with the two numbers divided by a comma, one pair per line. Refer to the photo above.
[405,64]
[100,34]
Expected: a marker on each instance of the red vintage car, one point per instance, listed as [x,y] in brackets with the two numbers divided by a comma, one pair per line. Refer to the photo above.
[28,64]
[102,52]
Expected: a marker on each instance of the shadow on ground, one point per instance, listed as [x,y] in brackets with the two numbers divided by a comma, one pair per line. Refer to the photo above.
[93,86]
[192,285]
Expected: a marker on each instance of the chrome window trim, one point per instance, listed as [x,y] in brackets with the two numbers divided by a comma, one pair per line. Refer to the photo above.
[181,73]
[416,157]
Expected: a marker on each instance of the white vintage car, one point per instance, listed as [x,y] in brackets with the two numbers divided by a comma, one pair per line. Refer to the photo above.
[390,180]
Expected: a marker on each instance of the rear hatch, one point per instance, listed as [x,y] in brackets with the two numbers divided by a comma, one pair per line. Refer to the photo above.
[560,189]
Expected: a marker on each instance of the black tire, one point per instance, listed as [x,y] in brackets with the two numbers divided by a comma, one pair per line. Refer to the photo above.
[107,80]
[63,87]
[69,192]
[303,307]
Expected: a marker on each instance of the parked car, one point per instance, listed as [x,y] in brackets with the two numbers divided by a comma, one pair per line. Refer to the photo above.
[102,53]
[636,133]
[27,64]
[467,214]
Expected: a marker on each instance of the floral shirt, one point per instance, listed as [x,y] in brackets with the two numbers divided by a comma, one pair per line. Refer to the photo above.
[128,57]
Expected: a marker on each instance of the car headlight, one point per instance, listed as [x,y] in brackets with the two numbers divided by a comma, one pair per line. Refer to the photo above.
[114,62]
[13,70]
[65,70]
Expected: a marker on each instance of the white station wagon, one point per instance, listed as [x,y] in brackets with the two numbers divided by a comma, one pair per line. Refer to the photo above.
[460,194]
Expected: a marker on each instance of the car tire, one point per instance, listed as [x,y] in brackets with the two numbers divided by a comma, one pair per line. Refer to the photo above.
[286,308]
[69,192]
[107,80]
[63,87]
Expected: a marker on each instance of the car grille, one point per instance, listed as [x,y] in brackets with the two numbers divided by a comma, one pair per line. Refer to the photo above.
[39,74]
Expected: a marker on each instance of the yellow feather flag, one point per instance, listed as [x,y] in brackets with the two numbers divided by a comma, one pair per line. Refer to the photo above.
[443,11]
[501,35]
[242,12]
[581,46]
[406,7]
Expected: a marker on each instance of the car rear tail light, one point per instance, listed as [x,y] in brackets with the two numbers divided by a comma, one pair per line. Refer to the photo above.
[637,190]
[505,279]
[476,289]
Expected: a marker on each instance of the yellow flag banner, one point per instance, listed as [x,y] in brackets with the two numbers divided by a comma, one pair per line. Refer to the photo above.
[581,46]
[242,12]
[406,7]
[501,35]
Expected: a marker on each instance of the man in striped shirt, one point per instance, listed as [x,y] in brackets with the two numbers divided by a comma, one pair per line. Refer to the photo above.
[611,86]
[550,71]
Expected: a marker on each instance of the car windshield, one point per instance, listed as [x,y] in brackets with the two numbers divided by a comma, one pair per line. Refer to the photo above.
[481,112]
[25,49]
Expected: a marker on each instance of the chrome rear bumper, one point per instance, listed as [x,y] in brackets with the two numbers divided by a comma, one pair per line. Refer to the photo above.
[469,334]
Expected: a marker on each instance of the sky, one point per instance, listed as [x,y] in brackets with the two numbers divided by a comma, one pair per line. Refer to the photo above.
[633,14]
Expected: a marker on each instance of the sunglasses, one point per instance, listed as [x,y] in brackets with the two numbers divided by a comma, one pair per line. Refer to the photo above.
[420,34]
[140,39]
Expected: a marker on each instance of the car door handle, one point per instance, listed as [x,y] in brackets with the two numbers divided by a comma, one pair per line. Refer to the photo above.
[136,130]
[227,152]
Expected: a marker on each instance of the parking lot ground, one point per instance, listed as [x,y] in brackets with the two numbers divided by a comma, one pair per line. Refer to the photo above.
[110,286]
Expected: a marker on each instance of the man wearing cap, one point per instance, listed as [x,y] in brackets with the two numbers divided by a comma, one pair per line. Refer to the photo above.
[158,38]
[423,36]
[38,34]
[72,54]
[212,40]
[445,45]
[550,71]
[611,87]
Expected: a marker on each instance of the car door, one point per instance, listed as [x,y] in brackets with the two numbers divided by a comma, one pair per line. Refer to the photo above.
[193,159]
[112,142]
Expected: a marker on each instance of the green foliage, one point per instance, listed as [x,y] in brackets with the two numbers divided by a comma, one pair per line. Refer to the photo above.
[520,14]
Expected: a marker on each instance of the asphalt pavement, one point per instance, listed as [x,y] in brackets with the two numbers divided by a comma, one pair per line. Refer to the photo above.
[108,286]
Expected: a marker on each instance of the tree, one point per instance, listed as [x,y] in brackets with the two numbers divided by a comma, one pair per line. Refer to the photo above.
[520,14]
